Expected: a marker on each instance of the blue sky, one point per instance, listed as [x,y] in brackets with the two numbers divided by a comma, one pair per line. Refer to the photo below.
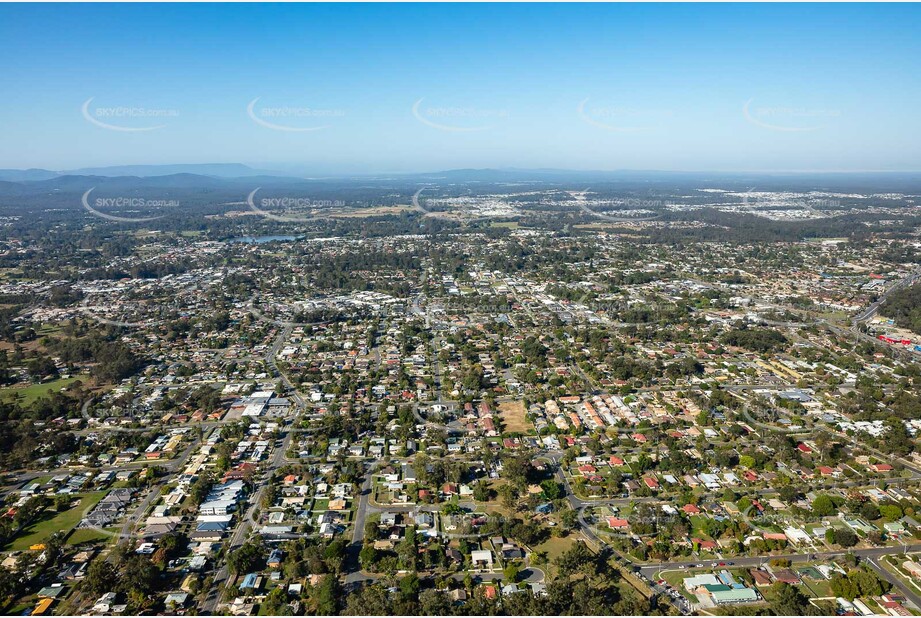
[422,87]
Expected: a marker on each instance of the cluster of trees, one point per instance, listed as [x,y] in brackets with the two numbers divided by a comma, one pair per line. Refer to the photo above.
[586,584]
[845,537]
[113,359]
[859,582]
[25,515]
[354,271]
[21,441]
[787,600]
[302,557]
[755,339]
[132,575]
[904,306]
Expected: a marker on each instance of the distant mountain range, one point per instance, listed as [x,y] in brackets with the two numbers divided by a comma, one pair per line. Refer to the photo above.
[217,175]
[218,170]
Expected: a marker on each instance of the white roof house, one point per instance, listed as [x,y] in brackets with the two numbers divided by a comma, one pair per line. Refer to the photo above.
[481,556]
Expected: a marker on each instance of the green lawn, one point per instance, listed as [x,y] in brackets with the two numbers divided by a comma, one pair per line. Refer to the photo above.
[51,521]
[88,535]
[697,524]
[28,394]
[894,566]
[820,588]
[555,547]
[675,578]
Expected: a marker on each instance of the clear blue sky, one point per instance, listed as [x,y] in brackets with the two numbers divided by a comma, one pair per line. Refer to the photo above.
[828,87]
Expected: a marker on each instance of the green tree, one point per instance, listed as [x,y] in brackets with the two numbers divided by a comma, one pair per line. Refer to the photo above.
[845,537]
[409,585]
[823,506]
[891,512]
[367,557]
[101,577]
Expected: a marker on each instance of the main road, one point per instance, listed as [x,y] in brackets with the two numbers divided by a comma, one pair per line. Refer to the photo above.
[279,458]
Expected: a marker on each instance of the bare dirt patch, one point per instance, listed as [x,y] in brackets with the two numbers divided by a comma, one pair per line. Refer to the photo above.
[513,417]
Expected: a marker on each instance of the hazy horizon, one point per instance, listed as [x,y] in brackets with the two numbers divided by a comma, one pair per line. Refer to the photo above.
[380,89]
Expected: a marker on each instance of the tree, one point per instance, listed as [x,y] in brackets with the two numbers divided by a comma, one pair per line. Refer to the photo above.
[552,490]
[868,583]
[409,585]
[367,557]
[842,586]
[101,577]
[788,600]
[434,603]
[575,559]
[869,511]
[246,558]
[569,519]
[276,603]
[139,575]
[481,492]
[845,537]
[518,470]
[327,596]
[509,496]
[789,493]
[370,600]
[891,512]
[372,529]
[823,506]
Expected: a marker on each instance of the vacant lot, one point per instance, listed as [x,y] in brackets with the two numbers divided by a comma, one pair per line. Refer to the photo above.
[555,547]
[88,535]
[513,417]
[50,521]
[28,394]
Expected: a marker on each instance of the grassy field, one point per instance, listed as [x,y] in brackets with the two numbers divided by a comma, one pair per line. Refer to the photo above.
[818,588]
[697,524]
[51,521]
[28,394]
[48,329]
[88,535]
[894,566]
[676,579]
[366,212]
[513,417]
[555,547]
